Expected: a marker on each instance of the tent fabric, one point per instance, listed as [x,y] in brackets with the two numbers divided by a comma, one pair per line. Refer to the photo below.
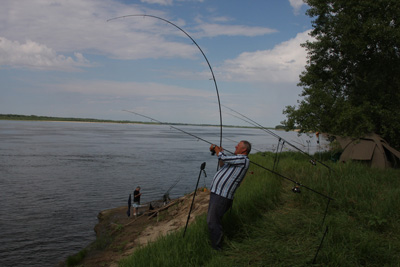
[371,149]
[392,150]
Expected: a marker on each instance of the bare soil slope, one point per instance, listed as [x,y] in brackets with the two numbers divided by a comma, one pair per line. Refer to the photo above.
[124,234]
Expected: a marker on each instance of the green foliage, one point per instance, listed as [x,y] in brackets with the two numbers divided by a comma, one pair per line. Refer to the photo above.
[269,225]
[352,78]
[77,258]
[280,127]
[102,242]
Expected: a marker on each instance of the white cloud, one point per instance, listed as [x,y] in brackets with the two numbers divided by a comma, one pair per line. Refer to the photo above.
[37,56]
[283,63]
[69,26]
[65,27]
[206,29]
[212,30]
[167,2]
[221,19]
[296,4]
[160,2]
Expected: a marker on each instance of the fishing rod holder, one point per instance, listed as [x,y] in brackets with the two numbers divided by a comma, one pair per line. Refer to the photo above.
[203,165]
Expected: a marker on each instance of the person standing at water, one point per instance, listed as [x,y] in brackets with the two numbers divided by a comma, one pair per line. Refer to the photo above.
[223,187]
[136,200]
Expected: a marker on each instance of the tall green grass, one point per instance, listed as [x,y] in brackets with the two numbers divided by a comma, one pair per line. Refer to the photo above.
[269,225]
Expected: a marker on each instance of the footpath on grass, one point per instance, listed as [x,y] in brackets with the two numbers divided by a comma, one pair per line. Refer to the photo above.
[118,235]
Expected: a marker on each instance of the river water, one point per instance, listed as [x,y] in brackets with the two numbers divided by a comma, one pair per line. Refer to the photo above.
[55,177]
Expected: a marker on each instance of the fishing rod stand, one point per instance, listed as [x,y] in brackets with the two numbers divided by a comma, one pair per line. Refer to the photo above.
[203,165]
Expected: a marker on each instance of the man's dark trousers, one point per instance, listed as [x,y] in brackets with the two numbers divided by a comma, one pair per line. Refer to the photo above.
[217,207]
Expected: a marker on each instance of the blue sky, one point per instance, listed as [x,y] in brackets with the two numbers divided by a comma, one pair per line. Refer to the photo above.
[63,58]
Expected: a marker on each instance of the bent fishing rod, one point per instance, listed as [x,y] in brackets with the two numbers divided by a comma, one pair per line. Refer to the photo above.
[204,55]
[259,126]
[208,142]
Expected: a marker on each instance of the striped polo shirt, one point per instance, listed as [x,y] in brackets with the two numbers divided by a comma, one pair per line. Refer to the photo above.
[231,174]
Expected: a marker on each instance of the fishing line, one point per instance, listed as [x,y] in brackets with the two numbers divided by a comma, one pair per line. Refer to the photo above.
[166,197]
[173,185]
[251,122]
[295,189]
[199,138]
[169,124]
[235,141]
[204,55]
[258,165]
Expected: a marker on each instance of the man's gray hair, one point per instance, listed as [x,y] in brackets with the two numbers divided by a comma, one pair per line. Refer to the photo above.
[247,144]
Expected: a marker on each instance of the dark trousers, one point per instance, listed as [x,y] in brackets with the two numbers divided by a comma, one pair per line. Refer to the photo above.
[216,209]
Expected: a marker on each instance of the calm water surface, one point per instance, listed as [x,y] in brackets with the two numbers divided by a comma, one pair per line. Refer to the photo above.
[55,177]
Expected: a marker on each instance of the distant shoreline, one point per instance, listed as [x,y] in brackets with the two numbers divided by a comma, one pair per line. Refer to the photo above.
[16,117]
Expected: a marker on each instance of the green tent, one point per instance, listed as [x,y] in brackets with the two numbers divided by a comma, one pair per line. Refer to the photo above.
[370,149]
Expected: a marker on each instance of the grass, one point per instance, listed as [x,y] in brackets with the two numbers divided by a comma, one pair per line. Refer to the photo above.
[77,258]
[269,225]
[100,243]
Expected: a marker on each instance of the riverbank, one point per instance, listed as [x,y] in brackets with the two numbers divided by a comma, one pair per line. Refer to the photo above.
[270,225]
[118,235]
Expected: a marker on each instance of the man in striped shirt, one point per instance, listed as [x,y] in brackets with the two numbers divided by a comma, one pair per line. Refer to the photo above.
[223,187]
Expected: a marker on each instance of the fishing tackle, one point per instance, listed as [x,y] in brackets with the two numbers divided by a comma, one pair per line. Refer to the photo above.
[203,165]
[212,151]
[261,166]
[172,127]
[297,184]
[296,189]
[166,197]
[320,245]
[251,122]
[204,55]
[128,212]
[278,153]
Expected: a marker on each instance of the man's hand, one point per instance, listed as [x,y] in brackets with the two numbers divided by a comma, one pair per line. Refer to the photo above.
[215,149]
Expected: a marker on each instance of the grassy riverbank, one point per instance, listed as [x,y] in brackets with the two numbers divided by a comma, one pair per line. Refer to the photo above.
[270,225]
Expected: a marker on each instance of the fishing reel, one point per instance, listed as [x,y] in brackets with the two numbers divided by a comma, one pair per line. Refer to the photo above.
[212,150]
[296,189]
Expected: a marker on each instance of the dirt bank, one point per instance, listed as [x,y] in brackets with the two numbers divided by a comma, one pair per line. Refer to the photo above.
[119,235]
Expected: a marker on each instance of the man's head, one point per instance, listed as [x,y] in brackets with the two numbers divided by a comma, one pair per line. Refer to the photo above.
[243,148]
[138,188]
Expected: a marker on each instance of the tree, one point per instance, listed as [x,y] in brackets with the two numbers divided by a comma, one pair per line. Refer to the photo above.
[351,83]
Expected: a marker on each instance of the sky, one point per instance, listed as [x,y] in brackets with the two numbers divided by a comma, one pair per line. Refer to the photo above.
[73,59]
